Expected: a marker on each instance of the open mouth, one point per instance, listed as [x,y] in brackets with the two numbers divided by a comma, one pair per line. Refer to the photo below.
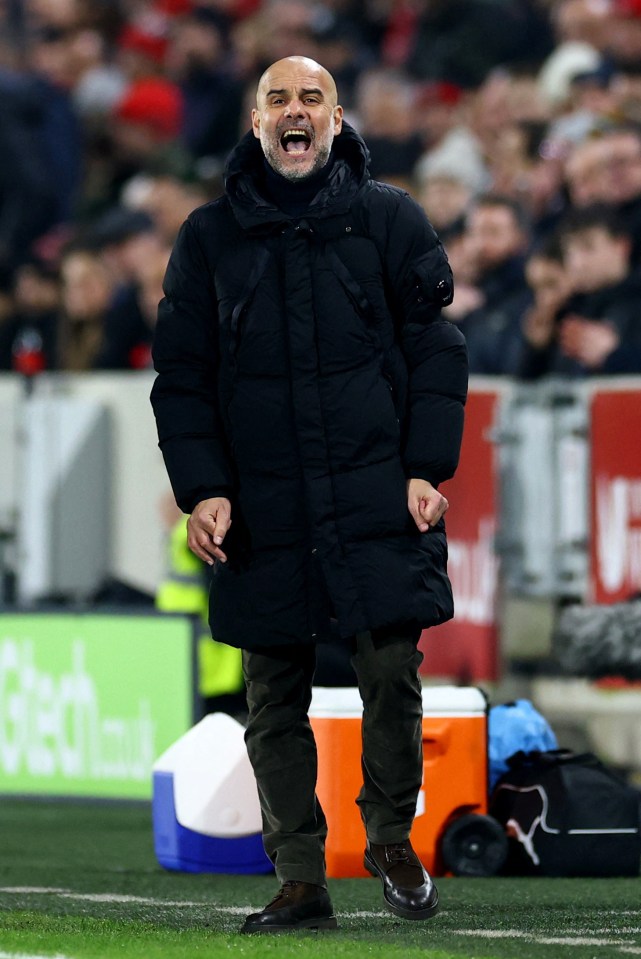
[295,141]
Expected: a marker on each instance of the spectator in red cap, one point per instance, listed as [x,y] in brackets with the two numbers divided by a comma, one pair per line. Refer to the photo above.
[145,136]
[155,106]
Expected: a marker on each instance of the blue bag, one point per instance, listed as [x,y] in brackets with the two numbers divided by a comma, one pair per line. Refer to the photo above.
[516,727]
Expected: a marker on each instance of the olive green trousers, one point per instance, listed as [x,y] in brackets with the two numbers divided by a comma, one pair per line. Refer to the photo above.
[282,750]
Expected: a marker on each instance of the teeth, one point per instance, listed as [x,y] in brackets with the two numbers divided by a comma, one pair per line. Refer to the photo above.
[300,133]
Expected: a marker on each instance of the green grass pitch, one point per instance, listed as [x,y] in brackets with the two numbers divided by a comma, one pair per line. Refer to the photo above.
[80,881]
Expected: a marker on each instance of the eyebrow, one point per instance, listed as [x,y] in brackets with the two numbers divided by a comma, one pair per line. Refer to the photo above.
[304,92]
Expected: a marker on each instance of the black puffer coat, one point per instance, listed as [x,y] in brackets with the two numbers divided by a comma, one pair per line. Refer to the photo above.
[304,372]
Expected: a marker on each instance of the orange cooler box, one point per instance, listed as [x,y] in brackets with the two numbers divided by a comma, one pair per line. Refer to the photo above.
[454,770]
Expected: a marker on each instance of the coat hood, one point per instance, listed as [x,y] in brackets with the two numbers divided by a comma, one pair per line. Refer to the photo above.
[244,169]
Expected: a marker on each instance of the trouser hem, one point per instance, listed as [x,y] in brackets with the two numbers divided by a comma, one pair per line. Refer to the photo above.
[387,838]
[293,873]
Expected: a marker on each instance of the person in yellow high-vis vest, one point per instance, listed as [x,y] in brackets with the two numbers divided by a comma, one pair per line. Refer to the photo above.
[185,589]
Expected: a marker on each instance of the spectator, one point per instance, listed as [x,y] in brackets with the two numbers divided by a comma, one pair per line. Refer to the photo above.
[598,328]
[54,69]
[445,197]
[549,286]
[129,246]
[86,293]
[28,336]
[607,170]
[149,293]
[169,200]
[28,202]
[385,107]
[467,295]
[622,181]
[145,134]
[440,108]
[497,237]
[197,61]
[584,172]
[124,238]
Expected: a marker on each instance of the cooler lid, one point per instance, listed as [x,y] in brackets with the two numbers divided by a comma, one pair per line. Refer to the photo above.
[345,702]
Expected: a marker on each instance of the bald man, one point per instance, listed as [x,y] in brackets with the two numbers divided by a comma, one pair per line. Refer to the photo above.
[309,401]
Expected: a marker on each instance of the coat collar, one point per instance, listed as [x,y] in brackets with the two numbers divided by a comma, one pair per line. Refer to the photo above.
[256,213]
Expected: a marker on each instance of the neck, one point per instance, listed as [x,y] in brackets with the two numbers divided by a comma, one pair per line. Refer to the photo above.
[294,196]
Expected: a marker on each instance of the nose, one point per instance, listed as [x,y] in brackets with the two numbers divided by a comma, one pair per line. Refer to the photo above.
[295,108]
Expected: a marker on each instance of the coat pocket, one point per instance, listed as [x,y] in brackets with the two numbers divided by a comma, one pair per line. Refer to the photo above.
[433,276]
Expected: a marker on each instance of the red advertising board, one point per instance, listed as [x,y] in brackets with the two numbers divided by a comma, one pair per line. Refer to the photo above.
[615,494]
[466,647]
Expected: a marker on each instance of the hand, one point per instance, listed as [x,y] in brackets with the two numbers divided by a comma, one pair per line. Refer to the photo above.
[425,503]
[206,529]
[466,299]
[588,341]
[538,327]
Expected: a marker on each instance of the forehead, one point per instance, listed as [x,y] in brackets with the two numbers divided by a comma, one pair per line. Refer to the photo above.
[293,79]
[589,236]
[493,215]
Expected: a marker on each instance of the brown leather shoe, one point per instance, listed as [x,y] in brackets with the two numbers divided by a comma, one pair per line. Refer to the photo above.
[407,887]
[297,905]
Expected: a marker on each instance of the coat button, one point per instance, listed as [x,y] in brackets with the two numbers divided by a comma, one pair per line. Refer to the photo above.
[314,635]
[348,229]
[314,551]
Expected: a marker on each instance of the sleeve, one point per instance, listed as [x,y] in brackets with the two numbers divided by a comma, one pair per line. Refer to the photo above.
[184,396]
[434,349]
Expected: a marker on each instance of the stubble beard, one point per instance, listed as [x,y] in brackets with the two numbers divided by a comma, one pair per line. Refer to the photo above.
[271,147]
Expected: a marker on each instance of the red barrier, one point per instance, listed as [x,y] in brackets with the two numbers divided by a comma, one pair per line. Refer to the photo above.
[615,495]
[466,647]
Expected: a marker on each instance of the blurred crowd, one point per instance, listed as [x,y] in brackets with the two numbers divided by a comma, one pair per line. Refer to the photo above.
[516,124]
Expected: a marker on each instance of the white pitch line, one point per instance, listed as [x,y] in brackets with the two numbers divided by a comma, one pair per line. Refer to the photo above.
[492,933]
[109,897]
[577,941]
[548,940]
[119,898]
[28,955]
[32,889]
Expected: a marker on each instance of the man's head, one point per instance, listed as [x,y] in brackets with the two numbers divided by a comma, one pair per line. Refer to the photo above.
[622,165]
[497,230]
[296,116]
[596,248]
[584,173]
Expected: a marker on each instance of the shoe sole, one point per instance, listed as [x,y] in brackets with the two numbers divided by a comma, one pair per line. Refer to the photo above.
[416,914]
[311,925]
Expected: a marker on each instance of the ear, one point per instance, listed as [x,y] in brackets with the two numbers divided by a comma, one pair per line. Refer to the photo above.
[338,119]
[256,123]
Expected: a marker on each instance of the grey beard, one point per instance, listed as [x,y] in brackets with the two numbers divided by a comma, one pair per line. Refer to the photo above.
[293,173]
